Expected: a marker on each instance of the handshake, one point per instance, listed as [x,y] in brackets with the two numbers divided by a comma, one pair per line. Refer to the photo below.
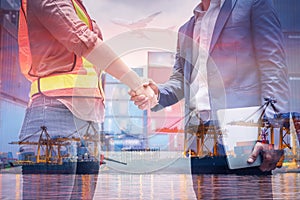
[145,96]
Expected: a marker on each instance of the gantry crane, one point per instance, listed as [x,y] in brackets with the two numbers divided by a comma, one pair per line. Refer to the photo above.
[211,132]
[48,144]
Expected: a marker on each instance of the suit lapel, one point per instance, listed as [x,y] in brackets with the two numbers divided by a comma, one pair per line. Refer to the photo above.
[190,28]
[221,20]
[188,47]
[186,51]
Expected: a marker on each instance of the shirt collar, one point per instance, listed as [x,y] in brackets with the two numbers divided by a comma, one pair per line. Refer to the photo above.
[199,12]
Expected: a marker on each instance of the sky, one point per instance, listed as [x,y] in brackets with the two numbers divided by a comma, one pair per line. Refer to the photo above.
[173,14]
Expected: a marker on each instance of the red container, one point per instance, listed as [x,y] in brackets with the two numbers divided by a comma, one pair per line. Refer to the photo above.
[13,84]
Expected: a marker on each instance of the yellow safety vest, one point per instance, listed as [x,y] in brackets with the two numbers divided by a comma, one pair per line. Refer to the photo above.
[61,84]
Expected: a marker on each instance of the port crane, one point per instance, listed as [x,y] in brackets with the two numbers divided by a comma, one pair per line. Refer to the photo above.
[49,145]
[268,130]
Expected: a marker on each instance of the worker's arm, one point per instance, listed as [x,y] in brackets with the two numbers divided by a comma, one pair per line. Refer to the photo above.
[105,59]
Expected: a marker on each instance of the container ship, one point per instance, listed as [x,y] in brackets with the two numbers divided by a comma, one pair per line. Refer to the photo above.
[66,167]
[53,155]
[210,156]
[215,160]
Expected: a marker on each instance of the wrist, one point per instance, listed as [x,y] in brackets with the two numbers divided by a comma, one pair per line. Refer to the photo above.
[132,80]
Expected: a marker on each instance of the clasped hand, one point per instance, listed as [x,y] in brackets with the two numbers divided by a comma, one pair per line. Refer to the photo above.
[144,97]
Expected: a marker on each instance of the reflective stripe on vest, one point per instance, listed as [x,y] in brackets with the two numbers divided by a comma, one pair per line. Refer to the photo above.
[88,83]
[42,85]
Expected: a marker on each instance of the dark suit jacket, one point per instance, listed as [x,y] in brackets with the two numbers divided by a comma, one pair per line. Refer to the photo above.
[247,59]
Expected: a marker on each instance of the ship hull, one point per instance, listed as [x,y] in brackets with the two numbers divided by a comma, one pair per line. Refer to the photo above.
[88,167]
[82,167]
[43,168]
[218,165]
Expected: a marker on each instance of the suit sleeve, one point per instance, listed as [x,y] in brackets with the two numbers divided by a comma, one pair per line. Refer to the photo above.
[270,54]
[173,90]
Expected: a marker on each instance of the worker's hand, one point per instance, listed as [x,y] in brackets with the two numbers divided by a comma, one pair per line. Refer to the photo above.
[143,101]
[271,158]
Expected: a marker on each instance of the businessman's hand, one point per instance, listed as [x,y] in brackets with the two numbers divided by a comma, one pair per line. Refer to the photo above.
[271,158]
[142,101]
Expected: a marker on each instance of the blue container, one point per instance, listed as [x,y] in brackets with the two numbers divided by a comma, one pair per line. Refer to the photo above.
[11,119]
[288,12]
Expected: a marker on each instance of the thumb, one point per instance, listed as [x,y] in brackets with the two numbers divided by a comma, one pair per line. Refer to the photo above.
[132,93]
[154,86]
[256,151]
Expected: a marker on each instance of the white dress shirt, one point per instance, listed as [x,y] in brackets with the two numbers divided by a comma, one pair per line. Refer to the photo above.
[203,31]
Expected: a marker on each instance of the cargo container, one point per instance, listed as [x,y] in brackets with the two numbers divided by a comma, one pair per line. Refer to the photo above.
[288,12]
[289,17]
[11,118]
[13,84]
[14,88]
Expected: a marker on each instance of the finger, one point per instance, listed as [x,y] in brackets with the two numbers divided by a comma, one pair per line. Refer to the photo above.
[139,98]
[256,151]
[150,81]
[131,93]
[146,84]
[146,105]
[154,87]
[141,103]
[143,106]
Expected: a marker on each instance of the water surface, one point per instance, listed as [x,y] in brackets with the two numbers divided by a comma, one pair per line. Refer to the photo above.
[149,186]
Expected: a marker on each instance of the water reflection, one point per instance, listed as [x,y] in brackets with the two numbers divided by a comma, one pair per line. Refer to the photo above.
[10,186]
[145,186]
[84,187]
[232,187]
[149,186]
[41,186]
[286,186]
